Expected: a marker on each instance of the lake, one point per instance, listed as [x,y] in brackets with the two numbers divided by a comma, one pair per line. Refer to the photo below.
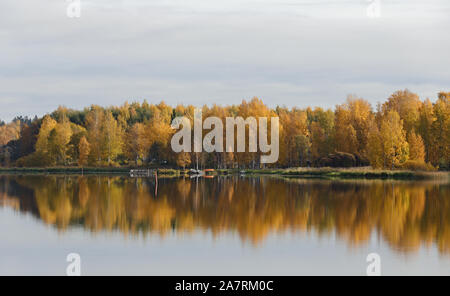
[222,226]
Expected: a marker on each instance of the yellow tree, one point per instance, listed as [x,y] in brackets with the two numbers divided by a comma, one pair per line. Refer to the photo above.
[83,151]
[346,138]
[416,147]
[158,133]
[317,141]
[137,143]
[345,133]
[440,130]
[9,132]
[407,105]
[322,132]
[374,148]
[303,148]
[219,158]
[352,122]
[393,138]
[165,112]
[255,108]
[112,140]
[426,119]
[77,133]
[94,123]
[124,114]
[59,140]
[48,124]
[293,130]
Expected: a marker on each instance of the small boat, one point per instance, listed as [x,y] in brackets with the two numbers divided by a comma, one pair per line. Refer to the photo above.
[195,172]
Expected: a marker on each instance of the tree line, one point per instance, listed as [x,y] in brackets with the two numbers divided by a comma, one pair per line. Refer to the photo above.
[402,132]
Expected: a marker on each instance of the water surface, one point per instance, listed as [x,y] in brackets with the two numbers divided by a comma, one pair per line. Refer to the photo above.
[222,225]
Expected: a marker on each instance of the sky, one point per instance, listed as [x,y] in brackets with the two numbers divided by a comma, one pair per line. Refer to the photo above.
[286,52]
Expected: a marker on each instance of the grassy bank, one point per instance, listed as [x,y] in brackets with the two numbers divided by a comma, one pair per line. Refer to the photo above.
[86,171]
[336,173]
[350,173]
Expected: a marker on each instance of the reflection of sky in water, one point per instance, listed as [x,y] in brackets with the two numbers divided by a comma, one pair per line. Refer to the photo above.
[29,246]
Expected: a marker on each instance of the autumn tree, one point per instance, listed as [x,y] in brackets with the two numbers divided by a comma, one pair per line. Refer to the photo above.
[58,141]
[407,105]
[254,108]
[374,148]
[9,132]
[48,124]
[112,138]
[78,132]
[352,122]
[426,119]
[416,147]
[393,139]
[293,136]
[402,128]
[83,151]
[303,149]
[137,143]
[94,124]
[158,133]
[440,130]
[322,131]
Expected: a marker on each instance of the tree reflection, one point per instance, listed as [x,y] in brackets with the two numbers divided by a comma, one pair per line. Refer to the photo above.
[405,214]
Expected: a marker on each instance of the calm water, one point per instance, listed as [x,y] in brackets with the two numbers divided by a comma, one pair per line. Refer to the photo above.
[222,226]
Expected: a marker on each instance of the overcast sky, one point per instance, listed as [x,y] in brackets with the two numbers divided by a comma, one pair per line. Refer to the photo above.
[286,52]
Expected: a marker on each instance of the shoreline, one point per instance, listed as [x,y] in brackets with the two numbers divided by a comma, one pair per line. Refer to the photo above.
[324,173]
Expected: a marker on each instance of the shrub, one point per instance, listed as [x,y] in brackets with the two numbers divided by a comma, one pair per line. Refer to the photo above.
[338,159]
[361,161]
[444,165]
[36,159]
[417,165]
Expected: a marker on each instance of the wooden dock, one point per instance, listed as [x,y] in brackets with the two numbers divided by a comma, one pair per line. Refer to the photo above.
[142,173]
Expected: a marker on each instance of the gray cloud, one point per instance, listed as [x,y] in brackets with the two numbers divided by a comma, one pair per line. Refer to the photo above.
[199,52]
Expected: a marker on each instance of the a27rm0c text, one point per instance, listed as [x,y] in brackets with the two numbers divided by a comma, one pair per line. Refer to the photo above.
[225,286]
